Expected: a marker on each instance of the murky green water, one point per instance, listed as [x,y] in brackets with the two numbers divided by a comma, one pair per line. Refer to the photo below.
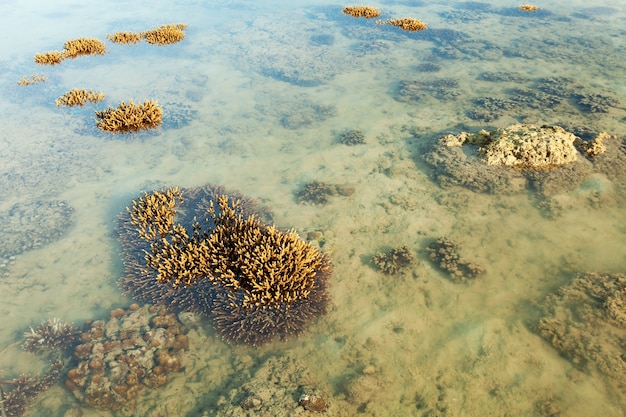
[256,98]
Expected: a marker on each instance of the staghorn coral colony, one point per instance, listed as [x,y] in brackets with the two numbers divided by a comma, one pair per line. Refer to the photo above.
[361,11]
[131,117]
[255,282]
[78,97]
[406,23]
[72,49]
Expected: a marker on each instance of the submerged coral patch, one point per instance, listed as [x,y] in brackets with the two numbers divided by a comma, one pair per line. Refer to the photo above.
[255,282]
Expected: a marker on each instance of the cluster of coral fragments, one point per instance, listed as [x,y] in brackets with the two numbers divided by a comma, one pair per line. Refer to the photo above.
[201,251]
[127,117]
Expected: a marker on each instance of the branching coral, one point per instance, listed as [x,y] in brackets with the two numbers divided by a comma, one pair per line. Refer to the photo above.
[78,97]
[33,79]
[361,11]
[53,335]
[49,58]
[406,23]
[130,117]
[124,38]
[394,261]
[83,46]
[444,253]
[256,281]
[17,394]
[165,35]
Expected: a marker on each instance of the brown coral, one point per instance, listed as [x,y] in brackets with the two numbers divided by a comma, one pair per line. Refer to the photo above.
[125,38]
[361,11]
[528,8]
[83,46]
[165,35]
[129,117]
[445,254]
[49,58]
[394,261]
[33,79]
[78,97]
[407,23]
[258,282]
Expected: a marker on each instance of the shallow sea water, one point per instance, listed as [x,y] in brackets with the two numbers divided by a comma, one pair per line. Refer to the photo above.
[255,99]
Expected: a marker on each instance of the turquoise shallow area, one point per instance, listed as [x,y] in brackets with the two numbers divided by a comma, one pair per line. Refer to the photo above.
[258,98]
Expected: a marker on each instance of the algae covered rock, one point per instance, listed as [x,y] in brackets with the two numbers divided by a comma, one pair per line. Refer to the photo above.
[528,146]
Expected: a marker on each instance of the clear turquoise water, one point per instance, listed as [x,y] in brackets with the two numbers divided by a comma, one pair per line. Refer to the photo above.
[255,99]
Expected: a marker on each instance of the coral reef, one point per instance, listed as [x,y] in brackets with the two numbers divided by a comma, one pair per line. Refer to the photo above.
[125,38]
[263,283]
[49,58]
[394,260]
[76,97]
[548,158]
[129,117]
[158,218]
[596,103]
[452,166]
[352,137]
[488,109]
[428,67]
[33,79]
[445,254]
[31,225]
[407,23]
[135,348]
[361,11]
[83,46]
[18,394]
[52,335]
[318,192]
[585,321]
[440,88]
[528,8]
[165,34]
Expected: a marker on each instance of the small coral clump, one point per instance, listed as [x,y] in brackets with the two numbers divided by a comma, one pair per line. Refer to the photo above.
[352,137]
[585,321]
[129,117]
[52,335]
[394,261]
[18,394]
[528,8]
[72,49]
[83,46]
[33,79]
[315,192]
[407,23]
[444,253]
[78,97]
[49,58]
[165,35]
[361,11]
[256,283]
[125,38]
